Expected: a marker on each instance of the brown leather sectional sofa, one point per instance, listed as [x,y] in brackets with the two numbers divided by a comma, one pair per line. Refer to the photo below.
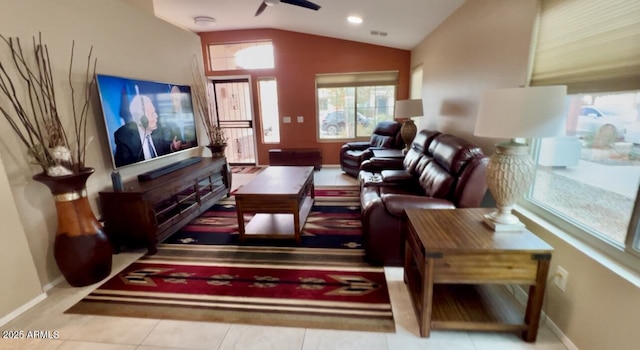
[440,171]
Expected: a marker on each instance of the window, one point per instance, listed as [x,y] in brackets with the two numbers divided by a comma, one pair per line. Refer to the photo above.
[587,183]
[254,55]
[590,179]
[416,83]
[350,105]
[268,95]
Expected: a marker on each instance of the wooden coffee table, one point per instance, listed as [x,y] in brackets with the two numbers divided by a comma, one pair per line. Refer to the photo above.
[454,268]
[281,198]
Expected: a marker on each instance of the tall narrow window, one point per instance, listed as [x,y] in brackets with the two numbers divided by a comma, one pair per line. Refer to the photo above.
[416,83]
[268,94]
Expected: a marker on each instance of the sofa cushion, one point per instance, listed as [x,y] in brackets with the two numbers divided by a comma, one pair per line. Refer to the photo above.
[354,157]
[437,182]
[391,176]
[453,153]
[421,165]
[381,141]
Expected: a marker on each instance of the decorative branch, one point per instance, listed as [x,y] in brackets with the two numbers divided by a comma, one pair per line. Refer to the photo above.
[33,112]
[203,97]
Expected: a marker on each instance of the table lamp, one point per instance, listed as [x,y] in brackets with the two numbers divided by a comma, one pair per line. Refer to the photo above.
[405,109]
[515,113]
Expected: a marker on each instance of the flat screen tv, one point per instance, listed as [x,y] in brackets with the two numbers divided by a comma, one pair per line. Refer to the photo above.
[145,120]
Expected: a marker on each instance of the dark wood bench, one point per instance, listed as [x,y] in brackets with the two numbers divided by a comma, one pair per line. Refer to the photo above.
[296,157]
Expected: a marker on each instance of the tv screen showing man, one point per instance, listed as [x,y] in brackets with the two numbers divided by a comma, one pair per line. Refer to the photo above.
[146,120]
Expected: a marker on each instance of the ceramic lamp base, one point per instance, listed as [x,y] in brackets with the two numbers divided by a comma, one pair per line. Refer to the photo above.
[509,175]
[499,227]
[408,131]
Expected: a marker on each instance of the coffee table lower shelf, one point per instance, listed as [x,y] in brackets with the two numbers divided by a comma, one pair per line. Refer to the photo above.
[277,225]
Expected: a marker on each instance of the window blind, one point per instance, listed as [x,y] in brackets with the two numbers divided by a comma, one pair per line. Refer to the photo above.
[588,45]
[357,79]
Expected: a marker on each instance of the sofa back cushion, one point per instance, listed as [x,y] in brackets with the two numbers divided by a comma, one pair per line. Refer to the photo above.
[437,182]
[385,134]
[381,141]
[451,156]
[453,153]
[417,151]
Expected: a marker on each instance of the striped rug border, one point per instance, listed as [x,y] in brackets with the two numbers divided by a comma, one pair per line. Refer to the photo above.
[307,313]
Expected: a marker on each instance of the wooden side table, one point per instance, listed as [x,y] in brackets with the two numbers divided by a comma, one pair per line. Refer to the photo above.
[454,268]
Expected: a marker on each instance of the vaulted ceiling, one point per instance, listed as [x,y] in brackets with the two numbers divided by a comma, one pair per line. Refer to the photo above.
[393,23]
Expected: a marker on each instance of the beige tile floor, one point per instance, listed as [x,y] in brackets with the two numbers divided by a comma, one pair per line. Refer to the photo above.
[79,332]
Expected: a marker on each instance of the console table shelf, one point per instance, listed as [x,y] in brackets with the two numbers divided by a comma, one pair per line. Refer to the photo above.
[145,213]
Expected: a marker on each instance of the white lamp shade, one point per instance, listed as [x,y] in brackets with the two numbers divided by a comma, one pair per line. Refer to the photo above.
[408,108]
[522,112]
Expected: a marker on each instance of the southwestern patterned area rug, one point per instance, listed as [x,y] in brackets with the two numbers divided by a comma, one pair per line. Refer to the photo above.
[202,274]
[334,222]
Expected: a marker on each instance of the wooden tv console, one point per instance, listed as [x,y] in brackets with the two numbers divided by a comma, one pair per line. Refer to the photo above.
[145,213]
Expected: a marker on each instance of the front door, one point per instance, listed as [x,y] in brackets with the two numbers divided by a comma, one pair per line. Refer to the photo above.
[235,116]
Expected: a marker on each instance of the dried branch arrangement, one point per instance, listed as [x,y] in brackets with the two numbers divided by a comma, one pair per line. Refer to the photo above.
[203,98]
[28,102]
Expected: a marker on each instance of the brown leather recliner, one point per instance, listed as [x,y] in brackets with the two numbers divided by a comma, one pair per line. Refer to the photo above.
[440,171]
[385,135]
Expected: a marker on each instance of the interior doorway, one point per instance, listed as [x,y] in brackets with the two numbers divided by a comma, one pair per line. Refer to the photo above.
[233,105]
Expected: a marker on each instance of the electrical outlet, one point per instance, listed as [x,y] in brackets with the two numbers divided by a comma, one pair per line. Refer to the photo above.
[560,278]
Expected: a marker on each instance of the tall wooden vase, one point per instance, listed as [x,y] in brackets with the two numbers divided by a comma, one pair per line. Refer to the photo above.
[81,249]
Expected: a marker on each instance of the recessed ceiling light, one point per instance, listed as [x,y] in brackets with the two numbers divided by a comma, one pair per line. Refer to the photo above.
[354,19]
[204,21]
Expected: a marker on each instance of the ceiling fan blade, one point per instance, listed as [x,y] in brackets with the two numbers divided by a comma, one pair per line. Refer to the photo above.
[261,9]
[302,3]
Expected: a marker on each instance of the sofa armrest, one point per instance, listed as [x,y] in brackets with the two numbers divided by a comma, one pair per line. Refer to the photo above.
[356,145]
[366,178]
[377,164]
[397,203]
[396,176]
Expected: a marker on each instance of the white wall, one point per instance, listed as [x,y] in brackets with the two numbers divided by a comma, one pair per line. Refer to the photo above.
[483,45]
[128,41]
[20,283]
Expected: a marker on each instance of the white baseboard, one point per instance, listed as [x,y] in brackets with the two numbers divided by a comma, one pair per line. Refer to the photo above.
[17,312]
[563,338]
[522,297]
[47,287]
